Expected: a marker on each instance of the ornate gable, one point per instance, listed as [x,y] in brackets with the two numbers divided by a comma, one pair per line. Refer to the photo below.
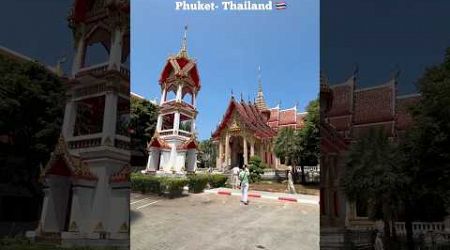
[62,163]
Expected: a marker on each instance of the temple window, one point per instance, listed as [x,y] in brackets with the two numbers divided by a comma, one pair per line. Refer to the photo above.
[187,98]
[171,94]
[97,48]
[167,121]
[123,116]
[89,116]
[185,123]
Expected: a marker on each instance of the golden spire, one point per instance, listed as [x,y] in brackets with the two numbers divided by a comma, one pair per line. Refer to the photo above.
[183,50]
[260,102]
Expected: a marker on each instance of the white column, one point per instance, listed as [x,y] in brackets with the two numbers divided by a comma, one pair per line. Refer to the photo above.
[176,122]
[110,117]
[193,127]
[220,152]
[159,123]
[227,150]
[245,151]
[194,97]
[115,53]
[252,148]
[69,119]
[179,92]
[79,56]
[163,96]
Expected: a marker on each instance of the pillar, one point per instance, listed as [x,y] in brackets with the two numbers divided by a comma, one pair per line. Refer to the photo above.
[79,55]
[163,96]
[109,118]
[252,148]
[227,149]
[194,102]
[176,122]
[245,151]
[159,123]
[115,54]
[220,152]
[69,119]
[179,92]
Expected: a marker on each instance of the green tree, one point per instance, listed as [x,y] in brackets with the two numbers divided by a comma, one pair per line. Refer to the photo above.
[308,139]
[301,147]
[31,107]
[207,154]
[426,158]
[143,117]
[256,168]
[372,174]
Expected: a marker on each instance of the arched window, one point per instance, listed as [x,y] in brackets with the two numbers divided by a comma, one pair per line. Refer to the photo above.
[171,93]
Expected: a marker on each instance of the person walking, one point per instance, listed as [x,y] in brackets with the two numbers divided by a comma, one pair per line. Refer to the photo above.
[235,179]
[244,178]
[378,242]
[291,187]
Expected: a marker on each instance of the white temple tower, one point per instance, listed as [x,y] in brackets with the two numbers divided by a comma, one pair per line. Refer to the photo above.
[173,148]
[87,178]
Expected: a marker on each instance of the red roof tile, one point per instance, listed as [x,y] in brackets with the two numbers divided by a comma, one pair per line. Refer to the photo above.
[374,105]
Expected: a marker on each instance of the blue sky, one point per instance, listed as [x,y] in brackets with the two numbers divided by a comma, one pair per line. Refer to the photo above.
[229,47]
[381,36]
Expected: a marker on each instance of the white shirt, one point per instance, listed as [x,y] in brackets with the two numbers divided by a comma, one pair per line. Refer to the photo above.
[235,170]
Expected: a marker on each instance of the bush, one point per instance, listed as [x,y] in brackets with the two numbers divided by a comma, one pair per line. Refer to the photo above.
[217,180]
[197,182]
[145,183]
[173,186]
[256,169]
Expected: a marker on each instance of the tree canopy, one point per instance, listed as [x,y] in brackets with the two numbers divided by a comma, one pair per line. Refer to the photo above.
[302,146]
[207,153]
[143,117]
[31,107]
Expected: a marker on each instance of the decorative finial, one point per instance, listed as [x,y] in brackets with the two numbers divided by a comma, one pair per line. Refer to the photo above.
[58,69]
[232,94]
[183,51]
[242,98]
[396,72]
[355,70]
[259,79]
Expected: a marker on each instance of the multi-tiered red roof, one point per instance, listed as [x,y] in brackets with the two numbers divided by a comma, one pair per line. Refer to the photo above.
[181,67]
[249,116]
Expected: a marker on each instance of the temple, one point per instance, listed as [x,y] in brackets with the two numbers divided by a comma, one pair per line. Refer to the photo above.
[173,148]
[347,113]
[249,128]
[87,177]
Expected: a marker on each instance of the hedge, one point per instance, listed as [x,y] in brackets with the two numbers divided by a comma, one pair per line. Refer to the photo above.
[197,182]
[217,180]
[172,186]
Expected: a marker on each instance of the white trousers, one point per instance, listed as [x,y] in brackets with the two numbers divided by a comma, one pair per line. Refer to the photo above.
[244,189]
[235,181]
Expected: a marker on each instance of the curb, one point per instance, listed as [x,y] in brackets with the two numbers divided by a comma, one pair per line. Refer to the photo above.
[258,195]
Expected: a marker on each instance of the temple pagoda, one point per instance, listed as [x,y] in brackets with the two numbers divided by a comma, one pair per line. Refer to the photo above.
[173,148]
[86,181]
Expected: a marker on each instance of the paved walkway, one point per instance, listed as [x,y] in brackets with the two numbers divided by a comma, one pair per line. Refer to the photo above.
[219,222]
[300,198]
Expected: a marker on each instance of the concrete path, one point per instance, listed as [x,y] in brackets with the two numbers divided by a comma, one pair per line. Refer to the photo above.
[219,222]
[300,198]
